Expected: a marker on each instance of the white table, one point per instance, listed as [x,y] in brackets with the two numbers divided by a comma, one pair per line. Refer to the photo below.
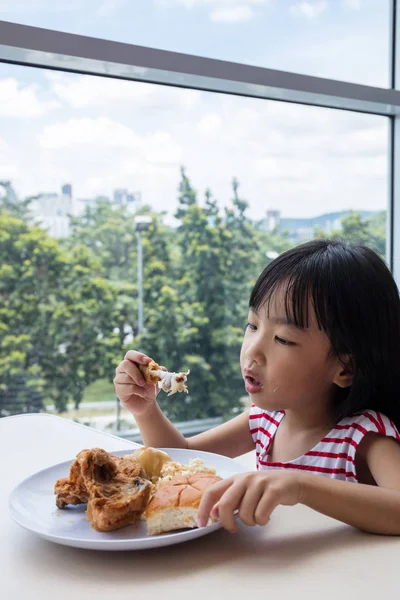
[300,554]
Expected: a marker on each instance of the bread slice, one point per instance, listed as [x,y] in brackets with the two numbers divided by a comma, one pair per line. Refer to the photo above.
[175,503]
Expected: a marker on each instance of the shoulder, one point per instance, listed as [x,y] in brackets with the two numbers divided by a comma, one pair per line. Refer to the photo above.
[371,421]
[381,455]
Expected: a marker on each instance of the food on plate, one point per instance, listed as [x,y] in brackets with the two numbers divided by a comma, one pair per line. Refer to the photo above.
[151,461]
[115,493]
[175,503]
[72,489]
[169,382]
[146,484]
[196,465]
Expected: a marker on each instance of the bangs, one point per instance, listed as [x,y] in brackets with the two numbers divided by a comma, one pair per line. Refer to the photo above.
[301,281]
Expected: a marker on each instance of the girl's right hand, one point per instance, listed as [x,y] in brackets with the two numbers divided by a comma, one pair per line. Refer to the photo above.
[130,385]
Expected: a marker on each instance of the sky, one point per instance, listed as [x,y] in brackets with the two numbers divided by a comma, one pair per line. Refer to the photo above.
[100,134]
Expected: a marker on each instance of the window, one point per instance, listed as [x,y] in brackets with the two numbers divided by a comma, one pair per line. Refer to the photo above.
[201,165]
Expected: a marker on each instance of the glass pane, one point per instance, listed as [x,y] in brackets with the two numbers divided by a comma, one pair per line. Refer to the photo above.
[338,39]
[228,183]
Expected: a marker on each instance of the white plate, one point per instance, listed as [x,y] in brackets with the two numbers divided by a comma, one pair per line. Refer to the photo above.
[32,505]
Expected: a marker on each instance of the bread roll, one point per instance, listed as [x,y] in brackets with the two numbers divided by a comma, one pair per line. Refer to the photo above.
[151,462]
[175,503]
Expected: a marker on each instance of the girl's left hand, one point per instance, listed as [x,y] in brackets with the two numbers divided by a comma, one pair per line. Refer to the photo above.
[254,495]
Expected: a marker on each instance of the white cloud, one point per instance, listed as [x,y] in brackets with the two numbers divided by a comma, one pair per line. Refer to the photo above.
[8,170]
[352,4]
[235,14]
[109,7]
[210,125]
[110,134]
[29,6]
[310,10]
[22,101]
[227,11]
[154,147]
[80,92]
[216,3]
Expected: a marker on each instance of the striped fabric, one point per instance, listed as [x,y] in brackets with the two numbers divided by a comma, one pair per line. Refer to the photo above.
[334,456]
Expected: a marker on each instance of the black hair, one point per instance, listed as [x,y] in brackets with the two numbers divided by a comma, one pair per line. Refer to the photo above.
[356,302]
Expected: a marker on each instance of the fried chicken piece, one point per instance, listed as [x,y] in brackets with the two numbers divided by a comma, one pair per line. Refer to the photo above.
[72,489]
[117,495]
[112,487]
[169,382]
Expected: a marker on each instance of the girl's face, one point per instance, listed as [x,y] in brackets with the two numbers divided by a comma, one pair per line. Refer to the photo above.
[285,367]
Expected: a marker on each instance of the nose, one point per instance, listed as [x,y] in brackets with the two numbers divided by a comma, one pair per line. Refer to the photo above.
[254,351]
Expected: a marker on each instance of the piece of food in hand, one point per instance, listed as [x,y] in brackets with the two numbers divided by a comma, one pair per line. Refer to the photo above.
[151,462]
[115,493]
[169,382]
[176,501]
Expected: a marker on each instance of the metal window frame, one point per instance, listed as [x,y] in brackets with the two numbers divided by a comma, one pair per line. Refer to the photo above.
[36,47]
[393,220]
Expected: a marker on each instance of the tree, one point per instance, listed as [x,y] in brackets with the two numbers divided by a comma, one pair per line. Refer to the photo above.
[54,317]
[369,232]
[109,233]
[69,307]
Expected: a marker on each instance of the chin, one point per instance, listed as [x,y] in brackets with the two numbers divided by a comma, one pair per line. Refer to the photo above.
[264,403]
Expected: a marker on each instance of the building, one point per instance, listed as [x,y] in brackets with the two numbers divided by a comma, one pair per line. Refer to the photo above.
[301,229]
[52,211]
[9,191]
[66,190]
[123,197]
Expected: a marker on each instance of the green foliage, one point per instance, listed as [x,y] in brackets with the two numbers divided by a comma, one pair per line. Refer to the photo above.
[370,232]
[55,323]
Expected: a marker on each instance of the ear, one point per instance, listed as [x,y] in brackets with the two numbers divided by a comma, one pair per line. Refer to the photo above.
[343,376]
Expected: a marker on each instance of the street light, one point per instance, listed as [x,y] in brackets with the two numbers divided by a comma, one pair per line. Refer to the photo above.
[142,223]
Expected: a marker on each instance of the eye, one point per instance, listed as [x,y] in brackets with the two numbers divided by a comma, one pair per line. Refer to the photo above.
[283,342]
[251,327]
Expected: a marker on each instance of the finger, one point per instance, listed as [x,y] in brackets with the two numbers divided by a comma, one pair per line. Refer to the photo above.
[229,502]
[249,504]
[126,391]
[209,499]
[137,357]
[126,366]
[121,378]
[266,506]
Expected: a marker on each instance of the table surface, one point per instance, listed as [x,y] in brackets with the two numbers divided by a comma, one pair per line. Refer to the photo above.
[300,553]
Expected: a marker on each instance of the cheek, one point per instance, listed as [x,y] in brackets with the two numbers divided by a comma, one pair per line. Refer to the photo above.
[242,353]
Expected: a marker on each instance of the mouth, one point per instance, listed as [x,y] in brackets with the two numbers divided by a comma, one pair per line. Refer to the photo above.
[252,385]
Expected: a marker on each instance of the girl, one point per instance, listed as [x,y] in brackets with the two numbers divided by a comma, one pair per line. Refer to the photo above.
[321,363]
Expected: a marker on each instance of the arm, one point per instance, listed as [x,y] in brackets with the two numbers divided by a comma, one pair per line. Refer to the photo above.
[372,508]
[230,439]
[375,509]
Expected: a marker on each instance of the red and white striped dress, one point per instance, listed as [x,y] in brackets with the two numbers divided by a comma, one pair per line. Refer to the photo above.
[334,456]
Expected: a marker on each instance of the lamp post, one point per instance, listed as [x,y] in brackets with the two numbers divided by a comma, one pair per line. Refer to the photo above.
[142,223]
